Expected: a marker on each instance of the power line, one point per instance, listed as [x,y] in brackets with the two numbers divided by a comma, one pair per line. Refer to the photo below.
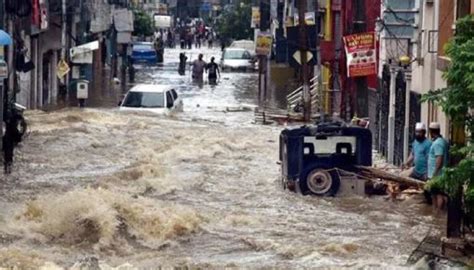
[400,46]
[395,14]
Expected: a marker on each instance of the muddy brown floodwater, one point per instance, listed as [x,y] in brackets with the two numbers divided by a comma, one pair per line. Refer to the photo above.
[198,189]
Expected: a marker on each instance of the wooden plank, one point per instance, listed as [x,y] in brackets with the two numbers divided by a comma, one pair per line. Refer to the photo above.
[377,173]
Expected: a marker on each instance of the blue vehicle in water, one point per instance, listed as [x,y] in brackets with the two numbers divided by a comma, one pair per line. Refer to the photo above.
[322,159]
[144,52]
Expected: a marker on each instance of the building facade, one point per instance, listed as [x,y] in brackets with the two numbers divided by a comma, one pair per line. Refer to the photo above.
[437,26]
[419,30]
[44,37]
[333,20]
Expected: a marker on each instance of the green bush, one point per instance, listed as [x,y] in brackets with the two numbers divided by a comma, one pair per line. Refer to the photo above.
[142,23]
[234,23]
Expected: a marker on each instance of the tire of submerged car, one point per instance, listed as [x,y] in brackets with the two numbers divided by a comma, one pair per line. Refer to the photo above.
[319,181]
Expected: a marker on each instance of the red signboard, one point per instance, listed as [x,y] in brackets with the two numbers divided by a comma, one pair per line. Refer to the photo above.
[361,54]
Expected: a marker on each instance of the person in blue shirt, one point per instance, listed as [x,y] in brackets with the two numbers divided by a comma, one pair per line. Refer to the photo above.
[438,155]
[417,163]
[437,160]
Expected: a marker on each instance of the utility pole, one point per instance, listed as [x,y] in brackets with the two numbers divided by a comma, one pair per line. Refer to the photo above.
[2,14]
[64,48]
[2,88]
[303,46]
[318,68]
[262,59]
[337,99]
[64,29]
[9,92]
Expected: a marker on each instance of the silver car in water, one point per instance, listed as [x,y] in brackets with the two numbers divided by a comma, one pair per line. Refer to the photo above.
[237,59]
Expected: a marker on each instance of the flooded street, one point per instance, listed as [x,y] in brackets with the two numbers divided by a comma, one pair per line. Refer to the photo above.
[197,189]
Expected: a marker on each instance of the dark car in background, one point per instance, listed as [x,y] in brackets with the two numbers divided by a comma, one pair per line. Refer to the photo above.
[144,52]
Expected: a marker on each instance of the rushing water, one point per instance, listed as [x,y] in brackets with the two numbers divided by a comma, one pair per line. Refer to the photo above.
[198,189]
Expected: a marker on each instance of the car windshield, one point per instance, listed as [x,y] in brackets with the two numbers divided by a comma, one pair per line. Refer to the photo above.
[236,54]
[144,100]
[330,145]
[142,47]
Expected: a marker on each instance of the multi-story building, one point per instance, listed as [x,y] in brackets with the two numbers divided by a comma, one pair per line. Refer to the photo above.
[337,18]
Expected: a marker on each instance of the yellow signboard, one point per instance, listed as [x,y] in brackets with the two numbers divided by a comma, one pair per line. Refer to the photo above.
[264,43]
[62,69]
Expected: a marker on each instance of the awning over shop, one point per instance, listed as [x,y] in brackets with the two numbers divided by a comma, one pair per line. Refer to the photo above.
[5,38]
[83,54]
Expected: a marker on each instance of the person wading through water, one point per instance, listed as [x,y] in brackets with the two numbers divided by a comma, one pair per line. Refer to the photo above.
[182,64]
[198,68]
[213,71]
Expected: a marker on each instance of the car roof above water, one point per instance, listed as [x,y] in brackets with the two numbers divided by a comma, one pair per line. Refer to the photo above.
[235,49]
[143,43]
[151,88]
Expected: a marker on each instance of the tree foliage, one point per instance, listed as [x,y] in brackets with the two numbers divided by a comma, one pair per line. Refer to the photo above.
[234,23]
[457,101]
[142,23]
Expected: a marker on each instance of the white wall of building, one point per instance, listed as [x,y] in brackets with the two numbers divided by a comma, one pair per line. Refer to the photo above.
[24,79]
[50,44]
[425,75]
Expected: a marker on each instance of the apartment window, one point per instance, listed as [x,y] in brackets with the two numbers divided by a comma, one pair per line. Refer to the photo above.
[446,20]
[463,8]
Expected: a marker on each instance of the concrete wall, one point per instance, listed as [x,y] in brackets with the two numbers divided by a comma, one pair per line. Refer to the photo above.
[23,97]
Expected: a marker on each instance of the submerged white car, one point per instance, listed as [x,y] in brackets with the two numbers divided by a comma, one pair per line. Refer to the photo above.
[237,59]
[159,99]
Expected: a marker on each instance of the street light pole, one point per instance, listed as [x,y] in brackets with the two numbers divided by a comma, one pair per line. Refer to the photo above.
[391,116]
[406,131]
[303,44]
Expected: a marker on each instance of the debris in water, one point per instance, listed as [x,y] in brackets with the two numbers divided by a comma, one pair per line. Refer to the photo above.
[18,259]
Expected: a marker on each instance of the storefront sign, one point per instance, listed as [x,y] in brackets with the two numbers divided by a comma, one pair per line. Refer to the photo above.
[62,69]
[361,54]
[309,17]
[264,43]
[255,17]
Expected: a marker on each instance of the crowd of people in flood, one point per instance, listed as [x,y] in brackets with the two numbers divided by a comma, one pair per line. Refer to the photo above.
[188,37]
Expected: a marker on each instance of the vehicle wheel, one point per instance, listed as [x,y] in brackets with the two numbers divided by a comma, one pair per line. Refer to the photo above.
[320,182]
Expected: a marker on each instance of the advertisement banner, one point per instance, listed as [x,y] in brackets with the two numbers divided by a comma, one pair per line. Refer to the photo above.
[264,43]
[361,54]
